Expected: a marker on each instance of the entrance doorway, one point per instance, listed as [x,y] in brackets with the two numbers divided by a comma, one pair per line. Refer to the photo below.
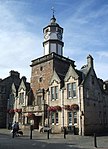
[37,120]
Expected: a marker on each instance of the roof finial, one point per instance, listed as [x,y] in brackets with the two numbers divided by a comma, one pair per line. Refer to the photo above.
[53,10]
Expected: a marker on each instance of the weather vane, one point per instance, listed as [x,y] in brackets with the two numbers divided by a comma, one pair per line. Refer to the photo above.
[53,10]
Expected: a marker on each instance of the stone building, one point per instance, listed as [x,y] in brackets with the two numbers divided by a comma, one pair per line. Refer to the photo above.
[59,95]
[82,99]
[19,98]
[63,95]
[5,89]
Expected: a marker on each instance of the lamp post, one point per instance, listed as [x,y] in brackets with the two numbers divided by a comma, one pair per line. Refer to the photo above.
[62,96]
[31,128]
[48,110]
[43,94]
[8,114]
[16,107]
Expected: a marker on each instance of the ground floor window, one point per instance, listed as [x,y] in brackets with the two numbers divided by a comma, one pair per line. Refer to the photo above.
[20,117]
[54,118]
[69,118]
[72,118]
[75,117]
[23,120]
[28,120]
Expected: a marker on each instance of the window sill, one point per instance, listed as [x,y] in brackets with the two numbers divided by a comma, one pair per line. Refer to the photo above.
[72,97]
[54,99]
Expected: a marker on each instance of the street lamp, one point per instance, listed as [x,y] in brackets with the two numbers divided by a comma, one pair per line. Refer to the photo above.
[48,110]
[7,114]
[62,96]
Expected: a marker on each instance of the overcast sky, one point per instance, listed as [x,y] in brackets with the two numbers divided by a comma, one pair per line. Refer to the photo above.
[85,24]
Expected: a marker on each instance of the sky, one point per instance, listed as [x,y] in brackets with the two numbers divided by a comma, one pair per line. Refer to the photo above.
[85,24]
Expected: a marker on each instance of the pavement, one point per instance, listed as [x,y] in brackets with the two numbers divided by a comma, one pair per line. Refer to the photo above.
[71,141]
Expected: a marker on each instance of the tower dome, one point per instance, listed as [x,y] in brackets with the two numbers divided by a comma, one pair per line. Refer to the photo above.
[53,20]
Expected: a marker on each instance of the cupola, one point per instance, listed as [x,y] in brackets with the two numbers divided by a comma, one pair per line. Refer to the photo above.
[53,34]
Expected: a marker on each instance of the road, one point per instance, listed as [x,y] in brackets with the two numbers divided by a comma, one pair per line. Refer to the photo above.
[17,143]
[40,141]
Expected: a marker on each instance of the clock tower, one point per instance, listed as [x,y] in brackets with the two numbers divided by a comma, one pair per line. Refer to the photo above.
[53,34]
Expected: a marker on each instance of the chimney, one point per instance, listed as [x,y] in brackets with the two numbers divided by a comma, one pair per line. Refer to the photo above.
[24,78]
[90,61]
[14,74]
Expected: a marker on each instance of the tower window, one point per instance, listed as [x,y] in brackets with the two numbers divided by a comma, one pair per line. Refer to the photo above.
[46,30]
[53,29]
[59,30]
[39,99]
[41,68]
[40,79]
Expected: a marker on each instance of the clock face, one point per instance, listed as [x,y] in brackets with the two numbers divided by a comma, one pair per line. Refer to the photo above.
[46,36]
[59,35]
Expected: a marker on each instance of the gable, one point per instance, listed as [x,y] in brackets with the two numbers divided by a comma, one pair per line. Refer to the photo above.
[13,88]
[91,80]
[71,73]
[22,86]
[55,78]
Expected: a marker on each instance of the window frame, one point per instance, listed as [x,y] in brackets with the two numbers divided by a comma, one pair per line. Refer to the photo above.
[70,118]
[75,118]
[56,118]
[21,98]
[53,118]
[54,92]
[71,90]
[39,100]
